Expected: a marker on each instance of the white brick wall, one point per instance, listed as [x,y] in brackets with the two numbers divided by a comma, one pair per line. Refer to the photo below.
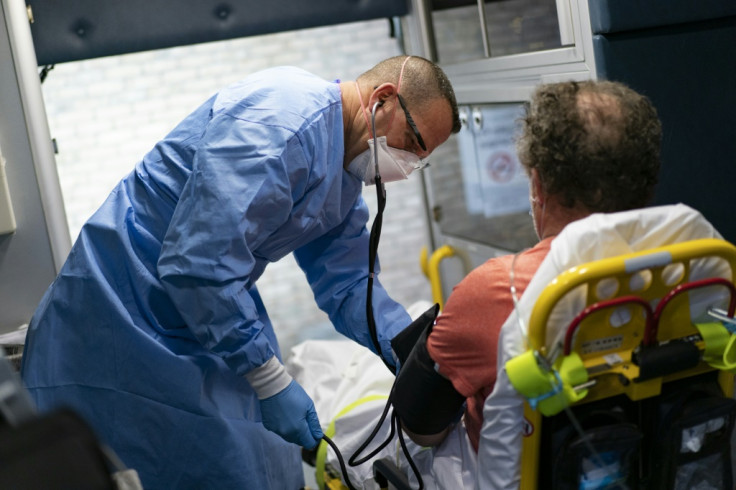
[106,113]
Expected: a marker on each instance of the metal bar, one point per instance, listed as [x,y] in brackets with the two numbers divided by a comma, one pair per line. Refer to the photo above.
[484,28]
[423,9]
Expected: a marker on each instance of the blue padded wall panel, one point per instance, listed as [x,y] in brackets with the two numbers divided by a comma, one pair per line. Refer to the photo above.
[689,73]
[72,30]
[625,15]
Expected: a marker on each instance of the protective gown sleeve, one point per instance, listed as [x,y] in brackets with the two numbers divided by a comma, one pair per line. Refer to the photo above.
[336,266]
[238,194]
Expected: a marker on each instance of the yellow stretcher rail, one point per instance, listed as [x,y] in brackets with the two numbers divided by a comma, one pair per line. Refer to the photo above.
[622,267]
[431,269]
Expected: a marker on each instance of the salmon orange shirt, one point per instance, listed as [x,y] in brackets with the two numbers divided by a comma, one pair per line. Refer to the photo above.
[464,339]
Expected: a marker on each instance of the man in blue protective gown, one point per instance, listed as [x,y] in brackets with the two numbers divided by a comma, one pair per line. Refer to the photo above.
[154,330]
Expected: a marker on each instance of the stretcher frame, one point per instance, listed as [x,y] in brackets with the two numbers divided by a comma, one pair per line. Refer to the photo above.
[643,281]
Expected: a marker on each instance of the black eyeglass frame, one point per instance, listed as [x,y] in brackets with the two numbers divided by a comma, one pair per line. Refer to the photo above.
[413,126]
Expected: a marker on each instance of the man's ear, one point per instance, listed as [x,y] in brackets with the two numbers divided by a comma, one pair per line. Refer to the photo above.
[382,93]
[536,186]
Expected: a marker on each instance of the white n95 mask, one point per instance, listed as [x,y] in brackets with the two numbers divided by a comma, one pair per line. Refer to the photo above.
[393,164]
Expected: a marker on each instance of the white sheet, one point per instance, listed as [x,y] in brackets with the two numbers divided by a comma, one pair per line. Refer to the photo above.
[338,374]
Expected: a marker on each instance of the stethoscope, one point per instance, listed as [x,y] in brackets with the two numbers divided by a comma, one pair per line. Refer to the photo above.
[372,253]
[375,237]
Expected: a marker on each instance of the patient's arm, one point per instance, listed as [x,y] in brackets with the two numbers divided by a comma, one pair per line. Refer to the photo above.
[425,401]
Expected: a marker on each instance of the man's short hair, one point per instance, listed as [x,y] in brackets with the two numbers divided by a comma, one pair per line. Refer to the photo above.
[593,143]
[422,81]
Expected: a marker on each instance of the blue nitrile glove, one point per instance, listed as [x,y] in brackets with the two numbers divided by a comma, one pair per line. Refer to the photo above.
[291,414]
[286,409]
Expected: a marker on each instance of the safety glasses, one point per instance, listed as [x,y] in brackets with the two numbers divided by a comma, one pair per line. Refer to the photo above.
[413,126]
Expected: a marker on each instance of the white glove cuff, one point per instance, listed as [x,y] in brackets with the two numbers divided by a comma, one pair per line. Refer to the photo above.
[268,379]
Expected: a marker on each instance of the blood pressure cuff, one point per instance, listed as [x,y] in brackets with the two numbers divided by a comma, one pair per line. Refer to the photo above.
[425,401]
[405,341]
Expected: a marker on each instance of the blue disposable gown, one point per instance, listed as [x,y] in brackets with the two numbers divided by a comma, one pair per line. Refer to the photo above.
[155,317]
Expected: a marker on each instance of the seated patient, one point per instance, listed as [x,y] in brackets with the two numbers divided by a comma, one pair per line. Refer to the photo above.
[587,147]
